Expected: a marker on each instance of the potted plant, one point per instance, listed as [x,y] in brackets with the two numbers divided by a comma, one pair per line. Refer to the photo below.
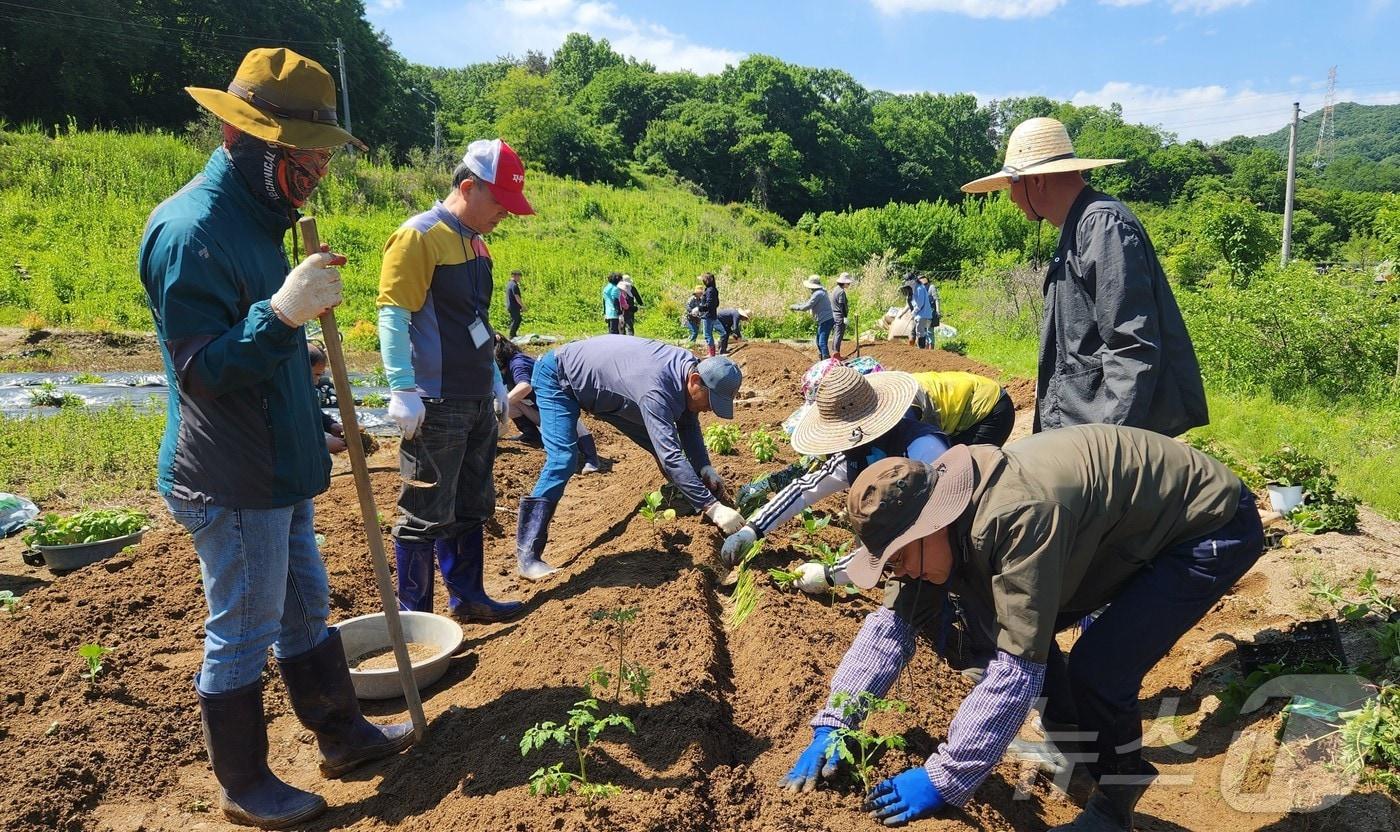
[86,537]
[1287,473]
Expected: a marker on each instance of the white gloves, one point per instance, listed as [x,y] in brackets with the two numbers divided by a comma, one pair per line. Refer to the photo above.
[811,578]
[502,403]
[728,520]
[309,289]
[737,544]
[715,482]
[406,411]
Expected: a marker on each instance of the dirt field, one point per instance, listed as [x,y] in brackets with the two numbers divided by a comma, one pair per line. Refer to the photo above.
[728,709]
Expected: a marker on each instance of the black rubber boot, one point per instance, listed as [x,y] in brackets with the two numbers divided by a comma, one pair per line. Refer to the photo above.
[1110,807]
[413,564]
[236,737]
[531,535]
[463,561]
[318,684]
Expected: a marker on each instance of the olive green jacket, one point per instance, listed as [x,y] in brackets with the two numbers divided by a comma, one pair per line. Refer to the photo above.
[1060,521]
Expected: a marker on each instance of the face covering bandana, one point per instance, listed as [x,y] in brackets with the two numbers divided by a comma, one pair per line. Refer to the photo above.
[280,177]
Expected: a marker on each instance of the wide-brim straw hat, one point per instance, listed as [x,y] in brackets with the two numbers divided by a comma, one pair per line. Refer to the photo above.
[813,282]
[852,409]
[280,97]
[1037,146]
[745,313]
[845,279]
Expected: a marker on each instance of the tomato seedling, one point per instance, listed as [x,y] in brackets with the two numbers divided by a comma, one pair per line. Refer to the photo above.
[636,677]
[868,745]
[580,731]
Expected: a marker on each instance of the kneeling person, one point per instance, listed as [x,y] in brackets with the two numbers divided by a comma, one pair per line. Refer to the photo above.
[1038,535]
[651,392]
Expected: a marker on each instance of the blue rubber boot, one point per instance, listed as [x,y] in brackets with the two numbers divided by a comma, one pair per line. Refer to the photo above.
[588,451]
[531,535]
[414,565]
[462,561]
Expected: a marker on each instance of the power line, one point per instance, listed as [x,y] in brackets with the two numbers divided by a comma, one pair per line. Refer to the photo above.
[180,30]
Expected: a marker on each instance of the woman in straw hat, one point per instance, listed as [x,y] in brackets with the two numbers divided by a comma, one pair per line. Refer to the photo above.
[243,454]
[819,304]
[1115,348]
[691,319]
[1035,536]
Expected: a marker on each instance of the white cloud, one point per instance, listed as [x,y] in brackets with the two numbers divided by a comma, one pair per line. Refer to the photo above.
[1206,6]
[1215,112]
[383,6]
[521,25]
[1004,9]
[1123,2]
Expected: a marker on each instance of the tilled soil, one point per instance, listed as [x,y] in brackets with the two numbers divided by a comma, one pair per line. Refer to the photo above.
[726,715]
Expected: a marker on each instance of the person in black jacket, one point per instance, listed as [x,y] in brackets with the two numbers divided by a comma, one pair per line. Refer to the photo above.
[709,309]
[632,303]
[691,319]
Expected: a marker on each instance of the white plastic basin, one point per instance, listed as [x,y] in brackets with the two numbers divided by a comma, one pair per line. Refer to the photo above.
[369,633]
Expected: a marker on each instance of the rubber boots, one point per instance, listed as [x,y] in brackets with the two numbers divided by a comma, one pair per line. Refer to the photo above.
[318,684]
[588,449]
[236,737]
[414,565]
[463,561]
[1110,807]
[711,350]
[531,535]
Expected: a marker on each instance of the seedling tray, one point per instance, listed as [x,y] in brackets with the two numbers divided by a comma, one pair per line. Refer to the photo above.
[1309,641]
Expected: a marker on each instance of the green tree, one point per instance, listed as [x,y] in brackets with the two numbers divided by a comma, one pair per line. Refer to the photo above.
[545,130]
[578,59]
[1236,234]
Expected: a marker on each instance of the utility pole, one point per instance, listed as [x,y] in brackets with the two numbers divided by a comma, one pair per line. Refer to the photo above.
[1288,191]
[344,85]
[437,125]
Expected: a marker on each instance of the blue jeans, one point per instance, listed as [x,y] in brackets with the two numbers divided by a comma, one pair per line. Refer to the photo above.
[824,337]
[712,324]
[694,327]
[264,583]
[559,414]
[1098,686]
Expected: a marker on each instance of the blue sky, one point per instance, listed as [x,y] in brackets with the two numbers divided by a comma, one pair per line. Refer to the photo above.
[1206,69]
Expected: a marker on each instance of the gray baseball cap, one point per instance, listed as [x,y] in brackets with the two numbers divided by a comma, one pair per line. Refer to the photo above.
[722,378]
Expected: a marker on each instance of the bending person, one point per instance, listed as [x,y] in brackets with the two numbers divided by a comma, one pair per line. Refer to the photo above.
[515,365]
[1037,535]
[653,393]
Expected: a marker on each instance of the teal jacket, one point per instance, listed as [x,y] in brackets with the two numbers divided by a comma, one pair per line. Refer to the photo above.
[610,307]
[242,425]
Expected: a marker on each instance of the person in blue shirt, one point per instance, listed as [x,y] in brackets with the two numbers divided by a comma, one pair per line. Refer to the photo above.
[921,303]
[244,451]
[612,304]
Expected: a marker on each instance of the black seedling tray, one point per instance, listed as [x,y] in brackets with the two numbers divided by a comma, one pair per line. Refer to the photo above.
[1309,641]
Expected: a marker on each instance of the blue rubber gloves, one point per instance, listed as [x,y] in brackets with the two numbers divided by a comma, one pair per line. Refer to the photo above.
[813,763]
[907,796]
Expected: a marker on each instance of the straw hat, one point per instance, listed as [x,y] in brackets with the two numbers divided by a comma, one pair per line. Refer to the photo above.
[745,313]
[280,97]
[1037,146]
[699,290]
[852,409]
[813,282]
[845,279]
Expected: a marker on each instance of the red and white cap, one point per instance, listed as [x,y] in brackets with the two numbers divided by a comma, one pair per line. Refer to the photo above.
[496,164]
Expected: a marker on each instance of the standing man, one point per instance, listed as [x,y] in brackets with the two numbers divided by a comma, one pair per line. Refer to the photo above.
[633,303]
[922,304]
[243,453]
[612,304]
[446,393]
[653,393]
[1035,536]
[731,320]
[839,309]
[1113,345]
[515,304]
[819,304]
[935,309]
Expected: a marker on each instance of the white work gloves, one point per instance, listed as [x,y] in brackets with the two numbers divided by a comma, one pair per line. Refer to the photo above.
[309,289]
[715,482]
[406,411]
[728,520]
[811,578]
[502,403]
[737,544]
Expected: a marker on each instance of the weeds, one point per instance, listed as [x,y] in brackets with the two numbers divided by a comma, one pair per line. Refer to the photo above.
[375,400]
[722,439]
[88,378]
[9,602]
[47,395]
[582,729]
[636,677]
[92,655]
[1371,739]
[1371,601]
[763,445]
[868,745]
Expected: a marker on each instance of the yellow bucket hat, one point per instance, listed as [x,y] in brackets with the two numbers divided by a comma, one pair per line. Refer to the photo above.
[280,97]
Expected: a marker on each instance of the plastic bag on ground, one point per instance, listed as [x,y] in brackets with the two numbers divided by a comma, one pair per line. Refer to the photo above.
[15,513]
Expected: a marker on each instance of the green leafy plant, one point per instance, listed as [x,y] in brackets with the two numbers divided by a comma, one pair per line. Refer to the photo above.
[375,400]
[1371,738]
[763,445]
[377,377]
[1234,695]
[1370,600]
[582,729]
[722,439]
[653,513]
[868,745]
[9,601]
[1289,466]
[783,578]
[88,378]
[746,590]
[84,527]
[1324,507]
[92,655]
[636,677]
[47,395]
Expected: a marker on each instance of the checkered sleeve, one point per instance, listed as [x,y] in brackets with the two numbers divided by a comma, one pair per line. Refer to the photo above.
[985,724]
[880,650]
